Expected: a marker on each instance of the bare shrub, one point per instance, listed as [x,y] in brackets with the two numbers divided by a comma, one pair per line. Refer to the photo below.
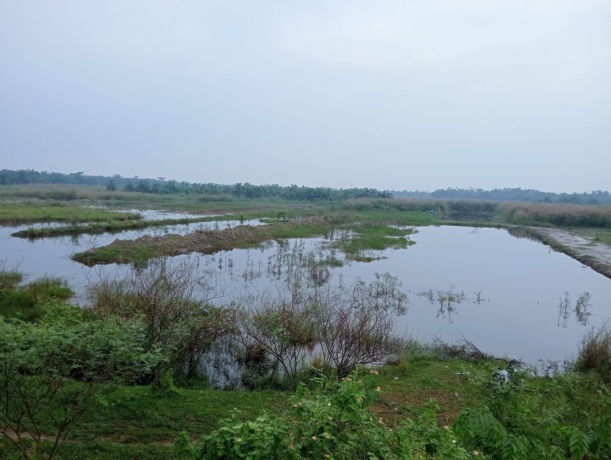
[284,330]
[345,326]
[355,326]
[173,302]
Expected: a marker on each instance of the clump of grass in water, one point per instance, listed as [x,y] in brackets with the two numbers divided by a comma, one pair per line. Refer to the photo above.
[373,238]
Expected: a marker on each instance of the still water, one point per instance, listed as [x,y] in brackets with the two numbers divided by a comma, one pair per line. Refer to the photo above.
[508,296]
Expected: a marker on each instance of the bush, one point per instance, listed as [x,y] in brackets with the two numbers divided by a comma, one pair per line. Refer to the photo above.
[329,421]
[594,353]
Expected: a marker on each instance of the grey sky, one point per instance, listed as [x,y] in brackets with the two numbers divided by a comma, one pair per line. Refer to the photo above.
[392,94]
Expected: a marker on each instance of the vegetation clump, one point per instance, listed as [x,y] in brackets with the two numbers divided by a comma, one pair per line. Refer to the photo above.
[29,302]
[594,353]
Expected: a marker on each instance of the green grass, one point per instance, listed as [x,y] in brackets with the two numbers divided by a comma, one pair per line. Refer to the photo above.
[55,211]
[113,226]
[142,415]
[29,302]
[598,235]
[138,422]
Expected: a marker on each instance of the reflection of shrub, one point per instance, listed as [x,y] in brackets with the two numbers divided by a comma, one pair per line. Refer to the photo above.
[595,353]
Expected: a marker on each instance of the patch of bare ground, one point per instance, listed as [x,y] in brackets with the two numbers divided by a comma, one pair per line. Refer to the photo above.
[594,254]
[395,406]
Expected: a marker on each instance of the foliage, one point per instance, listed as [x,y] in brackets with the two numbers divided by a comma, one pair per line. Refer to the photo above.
[161,186]
[515,194]
[515,421]
[348,326]
[283,330]
[331,421]
[560,215]
[594,353]
[55,370]
[14,213]
[357,328]
[28,302]
[171,299]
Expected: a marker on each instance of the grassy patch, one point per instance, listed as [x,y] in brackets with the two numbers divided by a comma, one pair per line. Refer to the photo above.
[375,238]
[55,211]
[29,302]
[113,226]
[143,415]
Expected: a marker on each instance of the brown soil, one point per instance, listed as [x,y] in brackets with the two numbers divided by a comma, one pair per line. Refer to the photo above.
[393,407]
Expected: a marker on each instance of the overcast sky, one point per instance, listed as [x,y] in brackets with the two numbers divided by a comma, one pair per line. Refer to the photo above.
[392,94]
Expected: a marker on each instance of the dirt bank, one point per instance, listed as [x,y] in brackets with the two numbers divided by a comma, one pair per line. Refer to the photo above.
[591,253]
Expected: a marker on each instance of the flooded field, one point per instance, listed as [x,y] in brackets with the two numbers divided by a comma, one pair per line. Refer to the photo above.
[508,296]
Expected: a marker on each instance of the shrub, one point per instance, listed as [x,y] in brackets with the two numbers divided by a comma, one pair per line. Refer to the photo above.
[594,353]
[329,421]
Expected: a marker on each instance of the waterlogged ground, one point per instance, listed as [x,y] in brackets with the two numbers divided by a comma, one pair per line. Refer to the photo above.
[509,296]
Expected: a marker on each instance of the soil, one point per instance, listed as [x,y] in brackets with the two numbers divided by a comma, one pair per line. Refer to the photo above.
[589,252]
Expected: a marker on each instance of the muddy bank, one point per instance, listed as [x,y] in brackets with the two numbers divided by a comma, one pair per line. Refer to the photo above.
[591,253]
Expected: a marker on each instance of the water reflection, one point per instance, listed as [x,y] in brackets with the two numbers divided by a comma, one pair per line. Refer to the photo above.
[449,300]
[581,309]
[512,287]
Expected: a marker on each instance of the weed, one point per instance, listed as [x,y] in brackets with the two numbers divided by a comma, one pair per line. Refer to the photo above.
[594,353]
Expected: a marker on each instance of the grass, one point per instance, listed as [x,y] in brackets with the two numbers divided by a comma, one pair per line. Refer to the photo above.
[598,235]
[28,303]
[370,237]
[84,195]
[113,226]
[377,238]
[138,422]
[55,211]
[594,354]
[143,415]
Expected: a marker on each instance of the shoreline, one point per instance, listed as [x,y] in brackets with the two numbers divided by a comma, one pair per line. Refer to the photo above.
[595,255]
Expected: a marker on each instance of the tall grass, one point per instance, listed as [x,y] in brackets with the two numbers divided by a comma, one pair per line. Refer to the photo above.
[560,215]
[594,354]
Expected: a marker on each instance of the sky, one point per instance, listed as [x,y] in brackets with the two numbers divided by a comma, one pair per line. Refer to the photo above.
[390,94]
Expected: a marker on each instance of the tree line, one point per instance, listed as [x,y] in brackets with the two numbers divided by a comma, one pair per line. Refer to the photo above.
[508,194]
[162,186]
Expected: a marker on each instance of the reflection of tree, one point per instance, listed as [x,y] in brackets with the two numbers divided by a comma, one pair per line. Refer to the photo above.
[446,300]
[581,308]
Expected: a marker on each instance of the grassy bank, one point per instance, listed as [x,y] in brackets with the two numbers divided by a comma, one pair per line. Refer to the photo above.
[105,375]
[143,423]
[35,211]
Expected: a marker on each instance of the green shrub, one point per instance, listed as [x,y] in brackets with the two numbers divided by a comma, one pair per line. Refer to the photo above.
[329,421]
[594,353]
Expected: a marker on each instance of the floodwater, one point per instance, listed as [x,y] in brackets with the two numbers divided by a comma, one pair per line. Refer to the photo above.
[508,296]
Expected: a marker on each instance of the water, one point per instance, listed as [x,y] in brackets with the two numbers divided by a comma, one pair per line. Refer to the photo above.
[51,256]
[508,296]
